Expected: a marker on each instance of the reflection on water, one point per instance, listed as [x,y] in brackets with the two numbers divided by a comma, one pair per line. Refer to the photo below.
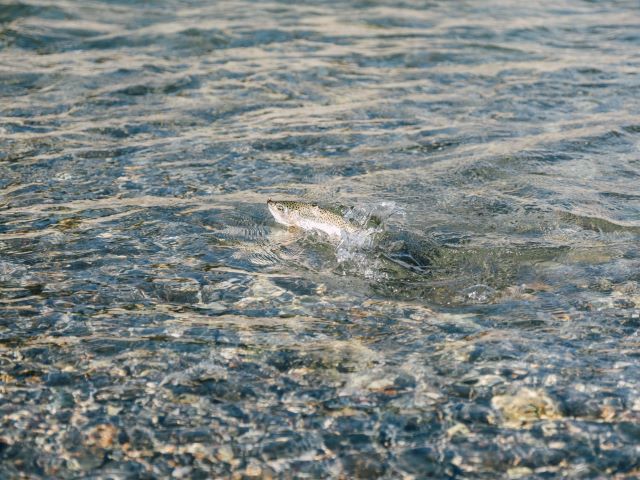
[155,321]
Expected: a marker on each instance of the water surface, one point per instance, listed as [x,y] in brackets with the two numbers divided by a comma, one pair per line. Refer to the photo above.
[155,321]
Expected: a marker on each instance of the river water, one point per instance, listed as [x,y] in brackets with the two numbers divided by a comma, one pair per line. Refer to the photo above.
[155,321]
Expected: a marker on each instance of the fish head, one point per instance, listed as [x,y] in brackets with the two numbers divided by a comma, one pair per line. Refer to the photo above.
[283,211]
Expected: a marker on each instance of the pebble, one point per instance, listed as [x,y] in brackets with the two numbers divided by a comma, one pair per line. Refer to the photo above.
[225,454]
[525,406]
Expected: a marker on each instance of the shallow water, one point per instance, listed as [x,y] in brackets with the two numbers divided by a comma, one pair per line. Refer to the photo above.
[155,321]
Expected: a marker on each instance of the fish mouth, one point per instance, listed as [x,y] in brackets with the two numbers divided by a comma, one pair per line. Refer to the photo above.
[278,216]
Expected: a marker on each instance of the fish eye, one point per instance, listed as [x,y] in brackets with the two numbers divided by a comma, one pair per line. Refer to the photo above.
[280,208]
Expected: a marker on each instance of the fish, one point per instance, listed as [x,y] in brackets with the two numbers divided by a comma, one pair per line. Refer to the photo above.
[395,248]
[309,216]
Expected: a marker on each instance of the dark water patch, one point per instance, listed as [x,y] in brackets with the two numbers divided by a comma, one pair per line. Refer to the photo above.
[18,10]
[393,22]
[611,140]
[268,37]
[600,224]
[43,41]
[20,83]
[185,83]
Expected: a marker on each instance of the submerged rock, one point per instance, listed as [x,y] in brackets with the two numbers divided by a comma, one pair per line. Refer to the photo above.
[525,407]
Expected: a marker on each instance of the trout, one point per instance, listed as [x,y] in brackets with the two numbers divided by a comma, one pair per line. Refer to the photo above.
[309,216]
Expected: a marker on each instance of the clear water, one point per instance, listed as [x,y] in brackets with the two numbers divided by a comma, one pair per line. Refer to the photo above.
[155,321]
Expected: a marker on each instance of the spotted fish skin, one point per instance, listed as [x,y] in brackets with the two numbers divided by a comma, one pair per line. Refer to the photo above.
[309,216]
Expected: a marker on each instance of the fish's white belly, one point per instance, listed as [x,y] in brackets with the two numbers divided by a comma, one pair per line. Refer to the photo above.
[327,228]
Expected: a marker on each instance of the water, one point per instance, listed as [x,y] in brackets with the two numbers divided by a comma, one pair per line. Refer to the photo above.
[155,321]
